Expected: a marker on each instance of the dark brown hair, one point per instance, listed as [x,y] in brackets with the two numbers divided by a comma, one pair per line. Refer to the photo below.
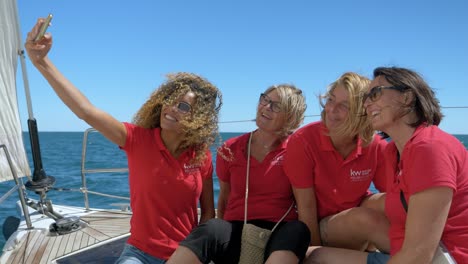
[424,104]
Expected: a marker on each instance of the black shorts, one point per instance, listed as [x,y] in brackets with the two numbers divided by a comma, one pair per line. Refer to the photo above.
[220,241]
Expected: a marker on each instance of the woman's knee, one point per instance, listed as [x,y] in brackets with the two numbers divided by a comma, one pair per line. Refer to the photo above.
[212,230]
[357,216]
[296,227]
[318,255]
[209,239]
[293,236]
[369,218]
[215,226]
[333,227]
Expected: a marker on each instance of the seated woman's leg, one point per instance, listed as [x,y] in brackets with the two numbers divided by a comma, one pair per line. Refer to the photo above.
[328,255]
[133,255]
[355,228]
[288,243]
[375,201]
[209,241]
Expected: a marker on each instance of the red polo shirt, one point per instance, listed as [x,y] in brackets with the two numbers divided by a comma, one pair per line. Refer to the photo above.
[270,193]
[164,191]
[339,184]
[431,158]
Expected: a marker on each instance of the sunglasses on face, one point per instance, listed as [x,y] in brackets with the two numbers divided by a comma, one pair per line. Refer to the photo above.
[183,107]
[375,93]
[265,100]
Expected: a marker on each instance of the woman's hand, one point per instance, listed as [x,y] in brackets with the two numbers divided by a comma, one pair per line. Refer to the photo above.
[38,50]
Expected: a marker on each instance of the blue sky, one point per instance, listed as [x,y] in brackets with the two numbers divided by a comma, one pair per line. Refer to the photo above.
[118,52]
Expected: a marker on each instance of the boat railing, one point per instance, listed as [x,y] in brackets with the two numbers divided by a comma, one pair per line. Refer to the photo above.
[84,171]
[18,186]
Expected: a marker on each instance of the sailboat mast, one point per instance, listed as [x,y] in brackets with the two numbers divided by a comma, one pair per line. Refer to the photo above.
[40,181]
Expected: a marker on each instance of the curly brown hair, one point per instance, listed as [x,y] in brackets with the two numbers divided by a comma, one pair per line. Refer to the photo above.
[201,129]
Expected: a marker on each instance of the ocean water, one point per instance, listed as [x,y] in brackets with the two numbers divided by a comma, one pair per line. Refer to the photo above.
[61,157]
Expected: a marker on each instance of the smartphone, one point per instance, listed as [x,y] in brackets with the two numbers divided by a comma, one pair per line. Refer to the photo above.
[44,27]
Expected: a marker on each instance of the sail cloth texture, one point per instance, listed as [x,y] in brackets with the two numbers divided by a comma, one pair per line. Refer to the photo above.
[10,126]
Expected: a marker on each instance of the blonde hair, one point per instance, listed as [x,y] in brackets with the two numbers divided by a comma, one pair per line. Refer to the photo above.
[356,123]
[293,105]
[201,129]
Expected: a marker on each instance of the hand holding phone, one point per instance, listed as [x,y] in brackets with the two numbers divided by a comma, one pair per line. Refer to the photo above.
[44,27]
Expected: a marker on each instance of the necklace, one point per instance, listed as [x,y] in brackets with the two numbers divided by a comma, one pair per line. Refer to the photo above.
[266,147]
[260,143]
[263,145]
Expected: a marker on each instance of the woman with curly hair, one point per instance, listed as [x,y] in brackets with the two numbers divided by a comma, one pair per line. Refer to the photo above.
[255,158]
[167,146]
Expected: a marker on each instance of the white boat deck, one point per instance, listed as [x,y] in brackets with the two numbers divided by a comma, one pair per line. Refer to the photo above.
[37,246]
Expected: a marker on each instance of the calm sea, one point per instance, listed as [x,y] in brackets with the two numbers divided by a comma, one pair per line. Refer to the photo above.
[61,158]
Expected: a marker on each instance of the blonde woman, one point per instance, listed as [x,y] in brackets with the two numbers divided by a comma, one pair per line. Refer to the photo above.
[331,164]
[280,111]
[167,146]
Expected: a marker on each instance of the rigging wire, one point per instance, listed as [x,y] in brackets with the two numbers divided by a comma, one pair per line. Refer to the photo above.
[454,106]
[253,120]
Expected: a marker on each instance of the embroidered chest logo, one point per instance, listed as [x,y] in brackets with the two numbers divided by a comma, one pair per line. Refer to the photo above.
[359,175]
[191,168]
[277,161]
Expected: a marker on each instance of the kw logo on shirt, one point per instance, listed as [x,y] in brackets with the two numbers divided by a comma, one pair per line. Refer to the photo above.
[359,175]
[191,168]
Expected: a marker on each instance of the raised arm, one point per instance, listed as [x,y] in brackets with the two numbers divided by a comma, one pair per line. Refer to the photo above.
[111,128]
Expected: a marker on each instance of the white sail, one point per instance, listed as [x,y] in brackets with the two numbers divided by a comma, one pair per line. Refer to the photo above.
[10,126]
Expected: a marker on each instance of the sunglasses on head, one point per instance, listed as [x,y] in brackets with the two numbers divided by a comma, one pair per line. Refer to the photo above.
[265,100]
[375,92]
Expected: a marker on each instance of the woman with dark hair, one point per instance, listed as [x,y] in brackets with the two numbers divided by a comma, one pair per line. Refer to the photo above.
[260,155]
[169,161]
[427,201]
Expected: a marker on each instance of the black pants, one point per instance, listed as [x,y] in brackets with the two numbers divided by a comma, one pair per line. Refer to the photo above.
[219,241]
